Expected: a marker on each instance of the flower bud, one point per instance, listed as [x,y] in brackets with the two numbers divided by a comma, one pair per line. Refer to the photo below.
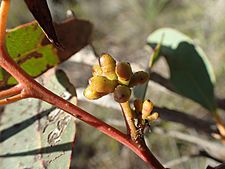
[108,65]
[101,84]
[122,94]
[147,109]
[96,70]
[124,72]
[92,94]
[153,116]
[139,77]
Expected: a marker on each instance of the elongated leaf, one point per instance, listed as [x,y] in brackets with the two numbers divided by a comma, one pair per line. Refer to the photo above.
[140,90]
[42,14]
[29,47]
[32,135]
[190,71]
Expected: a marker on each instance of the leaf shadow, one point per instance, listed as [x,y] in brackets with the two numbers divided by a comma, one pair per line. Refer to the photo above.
[18,127]
[45,150]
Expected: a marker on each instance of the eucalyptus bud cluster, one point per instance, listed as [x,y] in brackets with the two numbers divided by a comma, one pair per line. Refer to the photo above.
[118,78]
[114,77]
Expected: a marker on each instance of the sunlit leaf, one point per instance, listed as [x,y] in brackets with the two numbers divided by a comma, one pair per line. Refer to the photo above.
[29,47]
[26,127]
[190,71]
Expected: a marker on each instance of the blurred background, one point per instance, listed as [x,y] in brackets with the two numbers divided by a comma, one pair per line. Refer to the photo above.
[121,29]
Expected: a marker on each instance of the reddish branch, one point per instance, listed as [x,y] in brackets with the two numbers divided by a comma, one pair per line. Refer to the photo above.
[30,88]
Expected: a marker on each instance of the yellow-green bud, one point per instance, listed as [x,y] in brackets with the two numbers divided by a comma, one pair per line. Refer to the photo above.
[139,77]
[122,94]
[124,72]
[153,116]
[102,85]
[92,94]
[108,65]
[146,109]
[96,70]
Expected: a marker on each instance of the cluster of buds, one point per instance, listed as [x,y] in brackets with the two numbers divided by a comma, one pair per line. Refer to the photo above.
[114,77]
[111,77]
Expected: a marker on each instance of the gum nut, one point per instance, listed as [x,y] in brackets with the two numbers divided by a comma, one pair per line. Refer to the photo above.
[139,77]
[102,85]
[91,94]
[153,116]
[138,105]
[110,75]
[107,63]
[96,70]
[123,71]
[147,108]
[122,94]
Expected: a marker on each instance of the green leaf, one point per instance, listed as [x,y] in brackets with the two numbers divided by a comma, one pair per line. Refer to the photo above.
[140,90]
[29,47]
[190,71]
[27,128]
[155,55]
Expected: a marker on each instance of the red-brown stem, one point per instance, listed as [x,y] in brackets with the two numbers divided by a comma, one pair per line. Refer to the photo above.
[11,99]
[33,89]
[12,91]
[4,8]
[141,150]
